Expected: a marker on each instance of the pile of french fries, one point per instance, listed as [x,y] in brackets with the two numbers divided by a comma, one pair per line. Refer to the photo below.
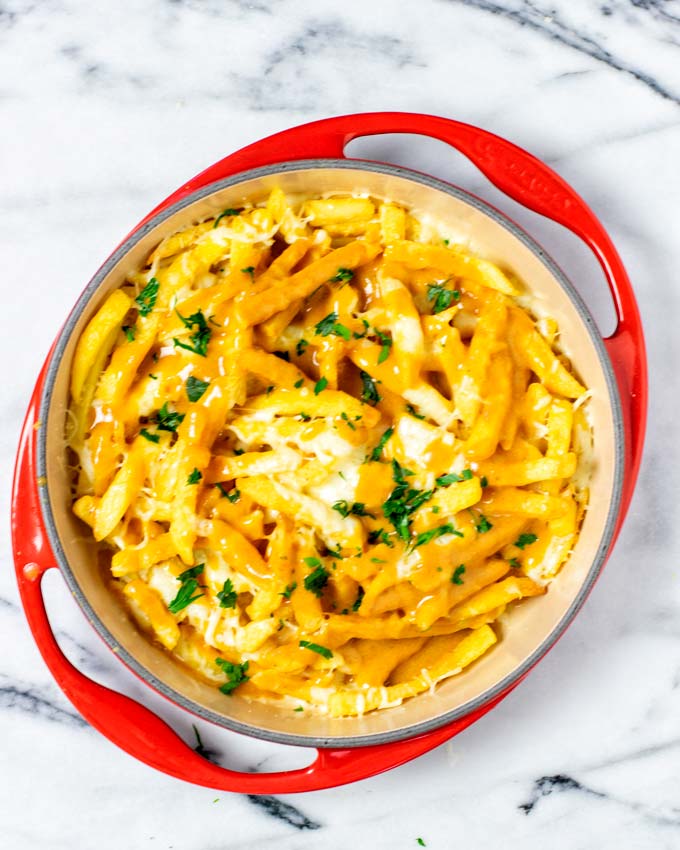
[325,450]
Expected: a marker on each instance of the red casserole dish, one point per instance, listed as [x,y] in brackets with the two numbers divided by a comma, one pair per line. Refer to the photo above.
[314,152]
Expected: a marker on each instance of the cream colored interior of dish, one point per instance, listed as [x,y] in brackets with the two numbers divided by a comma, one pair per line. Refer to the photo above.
[524,627]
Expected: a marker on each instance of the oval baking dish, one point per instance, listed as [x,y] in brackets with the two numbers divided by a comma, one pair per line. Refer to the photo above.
[358,746]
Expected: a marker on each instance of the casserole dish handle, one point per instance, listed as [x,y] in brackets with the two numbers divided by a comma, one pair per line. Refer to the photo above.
[133,727]
[523,178]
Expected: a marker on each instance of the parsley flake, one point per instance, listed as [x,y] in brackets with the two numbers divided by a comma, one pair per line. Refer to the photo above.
[320,385]
[314,647]
[152,438]
[289,590]
[316,580]
[168,420]
[129,331]
[377,451]
[329,326]
[343,507]
[457,577]
[369,393]
[426,536]
[300,347]
[441,297]
[194,476]
[342,275]
[525,540]
[146,300]
[201,335]
[453,478]
[236,675]
[195,388]
[228,212]
[403,501]
[385,342]
[187,592]
[483,525]
[227,595]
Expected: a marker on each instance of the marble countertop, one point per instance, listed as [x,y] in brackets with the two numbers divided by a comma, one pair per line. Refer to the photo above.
[104,109]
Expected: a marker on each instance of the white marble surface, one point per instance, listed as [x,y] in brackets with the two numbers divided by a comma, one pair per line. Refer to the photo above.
[105,108]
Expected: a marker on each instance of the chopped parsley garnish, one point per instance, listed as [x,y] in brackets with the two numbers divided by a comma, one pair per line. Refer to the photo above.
[314,647]
[484,481]
[194,476]
[364,332]
[369,393]
[377,451]
[227,595]
[312,562]
[525,540]
[195,388]
[300,347]
[411,409]
[316,580]
[152,438]
[299,383]
[320,385]
[229,211]
[233,496]
[153,377]
[299,708]
[385,342]
[426,536]
[348,421]
[168,420]
[282,355]
[330,326]
[403,501]
[514,563]
[129,331]
[441,297]
[201,335]
[192,572]
[304,416]
[187,592]
[146,300]
[453,478]
[357,602]
[270,389]
[345,509]
[379,535]
[483,525]
[236,675]
[457,577]
[289,590]
[342,274]
[420,840]
[249,270]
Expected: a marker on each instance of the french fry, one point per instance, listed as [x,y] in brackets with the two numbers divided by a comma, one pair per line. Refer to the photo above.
[452,261]
[255,309]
